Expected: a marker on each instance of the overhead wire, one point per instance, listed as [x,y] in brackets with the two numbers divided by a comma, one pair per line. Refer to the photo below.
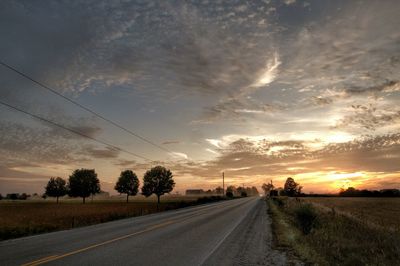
[73,131]
[84,107]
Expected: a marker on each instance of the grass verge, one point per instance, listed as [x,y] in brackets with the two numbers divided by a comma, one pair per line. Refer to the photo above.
[328,238]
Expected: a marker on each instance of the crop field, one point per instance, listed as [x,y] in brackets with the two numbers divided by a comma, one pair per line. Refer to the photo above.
[384,212]
[21,218]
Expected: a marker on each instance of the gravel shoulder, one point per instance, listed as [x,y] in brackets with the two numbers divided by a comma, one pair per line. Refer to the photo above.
[251,243]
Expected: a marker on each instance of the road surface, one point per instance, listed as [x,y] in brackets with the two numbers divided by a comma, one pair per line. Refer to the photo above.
[234,232]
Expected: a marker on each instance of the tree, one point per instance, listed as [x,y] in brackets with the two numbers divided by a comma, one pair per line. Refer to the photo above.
[267,188]
[158,180]
[12,196]
[219,191]
[56,187]
[291,188]
[1,197]
[127,183]
[254,191]
[231,189]
[83,183]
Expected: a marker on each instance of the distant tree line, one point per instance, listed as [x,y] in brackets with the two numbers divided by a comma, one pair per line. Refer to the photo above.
[15,196]
[232,191]
[352,192]
[290,189]
[293,189]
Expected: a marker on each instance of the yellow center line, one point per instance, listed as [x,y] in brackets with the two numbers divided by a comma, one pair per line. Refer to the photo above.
[57,257]
[36,262]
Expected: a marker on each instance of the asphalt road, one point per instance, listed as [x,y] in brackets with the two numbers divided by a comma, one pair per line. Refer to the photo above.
[235,232]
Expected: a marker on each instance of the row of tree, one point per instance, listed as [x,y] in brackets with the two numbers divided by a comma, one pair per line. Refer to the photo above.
[15,196]
[84,183]
[353,192]
[291,189]
[232,191]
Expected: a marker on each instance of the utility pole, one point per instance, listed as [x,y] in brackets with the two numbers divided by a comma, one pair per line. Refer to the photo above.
[223,183]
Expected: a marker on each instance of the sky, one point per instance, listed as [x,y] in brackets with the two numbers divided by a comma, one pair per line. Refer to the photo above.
[260,90]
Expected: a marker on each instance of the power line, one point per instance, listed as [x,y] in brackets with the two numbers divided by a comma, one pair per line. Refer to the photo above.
[83,107]
[72,130]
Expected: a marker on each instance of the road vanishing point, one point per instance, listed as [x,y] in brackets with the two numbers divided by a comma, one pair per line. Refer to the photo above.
[232,232]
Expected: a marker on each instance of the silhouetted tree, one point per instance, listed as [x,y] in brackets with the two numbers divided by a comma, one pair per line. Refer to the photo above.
[229,194]
[23,196]
[291,188]
[219,191]
[56,187]
[158,180]
[267,188]
[1,197]
[254,191]
[83,183]
[127,183]
[241,190]
[231,189]
[353,192]
[12,196]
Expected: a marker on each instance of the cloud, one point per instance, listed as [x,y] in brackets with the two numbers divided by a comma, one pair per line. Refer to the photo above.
[249,158]
[168,142]
[369,117]
[126,163]
[106,153]
[269,73]
[289,2]
[387,86]
[179,155]
[343,52]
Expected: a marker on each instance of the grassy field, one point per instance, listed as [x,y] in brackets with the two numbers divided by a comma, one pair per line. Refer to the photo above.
[339,231]
[22,218]
[384,212]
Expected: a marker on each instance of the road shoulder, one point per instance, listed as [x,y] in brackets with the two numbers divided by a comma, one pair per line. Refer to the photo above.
[250,243]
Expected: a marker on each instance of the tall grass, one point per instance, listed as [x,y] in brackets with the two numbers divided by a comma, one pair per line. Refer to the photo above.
[329,238]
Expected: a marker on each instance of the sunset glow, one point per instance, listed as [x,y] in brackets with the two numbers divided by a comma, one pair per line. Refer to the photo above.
[260,90]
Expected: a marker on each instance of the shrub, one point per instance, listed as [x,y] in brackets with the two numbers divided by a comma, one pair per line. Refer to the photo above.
[229,194]
[209,199]
[306,217]
[279,201]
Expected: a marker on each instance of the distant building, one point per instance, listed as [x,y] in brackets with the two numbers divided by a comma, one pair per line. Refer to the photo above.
[191,192]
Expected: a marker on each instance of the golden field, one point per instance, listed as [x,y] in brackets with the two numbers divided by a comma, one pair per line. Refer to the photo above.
[339,230]
[384,212]
[21,218]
